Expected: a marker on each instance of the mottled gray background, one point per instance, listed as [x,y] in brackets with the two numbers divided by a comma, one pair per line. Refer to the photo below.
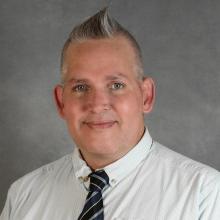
[181,48]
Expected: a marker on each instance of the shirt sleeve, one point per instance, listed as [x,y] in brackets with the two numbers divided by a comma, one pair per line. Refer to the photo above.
[209,205]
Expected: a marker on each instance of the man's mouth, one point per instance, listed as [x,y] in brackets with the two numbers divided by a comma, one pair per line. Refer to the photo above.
[100,124]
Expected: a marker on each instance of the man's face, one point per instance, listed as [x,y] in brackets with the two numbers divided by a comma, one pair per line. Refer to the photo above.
[102,100]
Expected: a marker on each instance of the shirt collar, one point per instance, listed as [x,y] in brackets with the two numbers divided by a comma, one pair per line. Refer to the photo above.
[120,168]
[81,169]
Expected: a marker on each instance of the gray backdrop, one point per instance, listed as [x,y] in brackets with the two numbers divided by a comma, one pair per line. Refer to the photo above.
[181,48]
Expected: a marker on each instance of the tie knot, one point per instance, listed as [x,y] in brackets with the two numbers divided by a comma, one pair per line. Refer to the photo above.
[98,180]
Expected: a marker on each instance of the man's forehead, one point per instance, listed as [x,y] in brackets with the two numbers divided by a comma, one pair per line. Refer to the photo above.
[115,55]
[116,42]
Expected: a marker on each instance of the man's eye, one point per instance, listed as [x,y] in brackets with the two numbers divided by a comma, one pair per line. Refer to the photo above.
[80,88]
[116,86]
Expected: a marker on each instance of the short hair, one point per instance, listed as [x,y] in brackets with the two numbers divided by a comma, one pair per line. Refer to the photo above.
[101,26]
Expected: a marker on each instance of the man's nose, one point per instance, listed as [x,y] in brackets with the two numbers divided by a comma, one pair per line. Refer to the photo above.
[98,101]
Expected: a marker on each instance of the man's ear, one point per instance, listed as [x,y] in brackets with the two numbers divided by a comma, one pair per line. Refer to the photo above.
[58,96]
[148,88]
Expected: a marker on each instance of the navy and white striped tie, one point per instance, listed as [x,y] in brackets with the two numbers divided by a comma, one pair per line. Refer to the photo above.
[93,208]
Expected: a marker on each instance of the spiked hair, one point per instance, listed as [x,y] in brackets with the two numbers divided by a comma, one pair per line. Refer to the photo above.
[100,26]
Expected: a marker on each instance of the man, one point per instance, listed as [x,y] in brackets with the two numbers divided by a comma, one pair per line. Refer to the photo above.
[116,171]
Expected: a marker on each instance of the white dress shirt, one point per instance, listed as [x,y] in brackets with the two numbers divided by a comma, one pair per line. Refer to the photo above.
[151,182]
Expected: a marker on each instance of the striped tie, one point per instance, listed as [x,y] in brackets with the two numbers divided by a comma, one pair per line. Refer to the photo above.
[93,208]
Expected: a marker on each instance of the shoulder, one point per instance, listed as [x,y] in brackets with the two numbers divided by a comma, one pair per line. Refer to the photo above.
[46,174]
[184,179]
[183,165]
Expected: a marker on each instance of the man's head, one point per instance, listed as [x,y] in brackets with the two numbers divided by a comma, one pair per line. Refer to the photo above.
[101,26]
[103,96]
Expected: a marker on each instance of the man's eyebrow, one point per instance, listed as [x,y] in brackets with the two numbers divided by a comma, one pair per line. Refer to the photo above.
[75,80]
[108,77]
[116,76]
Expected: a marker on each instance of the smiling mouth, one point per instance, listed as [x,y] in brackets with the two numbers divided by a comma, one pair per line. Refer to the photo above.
[100,125]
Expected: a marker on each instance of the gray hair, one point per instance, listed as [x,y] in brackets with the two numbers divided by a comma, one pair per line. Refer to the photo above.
[100,26]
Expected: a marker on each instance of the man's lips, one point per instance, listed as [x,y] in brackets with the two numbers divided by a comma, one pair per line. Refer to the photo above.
[100,124]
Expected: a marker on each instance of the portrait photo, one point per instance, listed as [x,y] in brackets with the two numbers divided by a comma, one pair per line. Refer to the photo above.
[110,110]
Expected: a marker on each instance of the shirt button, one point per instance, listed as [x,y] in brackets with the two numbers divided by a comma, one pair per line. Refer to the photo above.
[113,181]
